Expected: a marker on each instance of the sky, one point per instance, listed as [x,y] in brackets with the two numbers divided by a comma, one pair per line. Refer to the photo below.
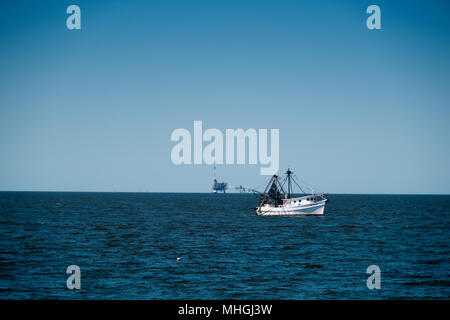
[358,110]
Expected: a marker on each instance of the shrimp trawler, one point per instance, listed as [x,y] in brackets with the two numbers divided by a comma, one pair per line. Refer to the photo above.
[278,199]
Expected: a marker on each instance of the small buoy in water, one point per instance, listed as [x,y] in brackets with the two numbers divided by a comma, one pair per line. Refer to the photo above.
[178,258]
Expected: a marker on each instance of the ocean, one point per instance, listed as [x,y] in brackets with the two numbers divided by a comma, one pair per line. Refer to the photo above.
[126,245]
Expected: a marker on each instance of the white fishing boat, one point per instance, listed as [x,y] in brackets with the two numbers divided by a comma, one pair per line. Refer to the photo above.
[278,199]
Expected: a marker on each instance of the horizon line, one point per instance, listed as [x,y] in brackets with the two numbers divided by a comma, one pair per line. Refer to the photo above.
[209,192]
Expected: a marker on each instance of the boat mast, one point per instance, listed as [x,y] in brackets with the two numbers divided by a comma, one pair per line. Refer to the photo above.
[289,188]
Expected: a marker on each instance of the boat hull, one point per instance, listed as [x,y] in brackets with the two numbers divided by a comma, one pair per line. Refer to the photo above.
[316,209]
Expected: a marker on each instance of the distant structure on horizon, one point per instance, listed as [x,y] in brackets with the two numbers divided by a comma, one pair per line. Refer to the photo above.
[223,186]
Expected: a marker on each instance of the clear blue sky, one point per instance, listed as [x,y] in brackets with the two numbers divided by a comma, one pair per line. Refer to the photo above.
[359,111]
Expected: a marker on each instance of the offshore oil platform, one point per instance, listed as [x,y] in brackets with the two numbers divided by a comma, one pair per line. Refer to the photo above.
[223,186]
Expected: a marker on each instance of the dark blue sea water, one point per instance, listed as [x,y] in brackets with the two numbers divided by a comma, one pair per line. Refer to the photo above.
[126,245]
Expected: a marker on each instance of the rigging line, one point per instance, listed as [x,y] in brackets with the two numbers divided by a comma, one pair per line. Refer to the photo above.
[281,185]
[299,186]
[260,185]
[305,183]
[271,182]
[283,182]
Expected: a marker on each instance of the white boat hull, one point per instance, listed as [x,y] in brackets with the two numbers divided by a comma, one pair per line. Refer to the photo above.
[315,209]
